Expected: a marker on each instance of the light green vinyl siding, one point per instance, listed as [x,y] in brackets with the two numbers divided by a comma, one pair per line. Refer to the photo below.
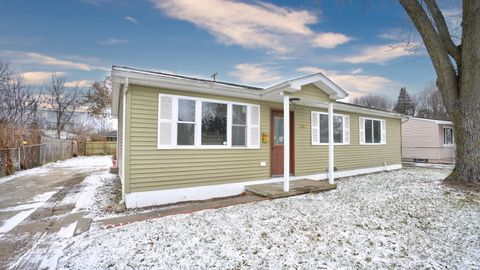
[313,159]
[152,169]
[311,92]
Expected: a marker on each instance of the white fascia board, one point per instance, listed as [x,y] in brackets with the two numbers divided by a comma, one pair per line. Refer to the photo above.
[354,109]
[439,122]
[115,99]
[187,85]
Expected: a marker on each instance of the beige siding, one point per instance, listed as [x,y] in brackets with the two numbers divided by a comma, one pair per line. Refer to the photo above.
[423,139]
[151,169]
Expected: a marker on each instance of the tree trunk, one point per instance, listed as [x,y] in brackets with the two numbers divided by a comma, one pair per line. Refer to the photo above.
[458,78]
[466,112]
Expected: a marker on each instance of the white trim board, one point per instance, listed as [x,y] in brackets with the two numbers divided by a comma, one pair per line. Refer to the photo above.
[167,196]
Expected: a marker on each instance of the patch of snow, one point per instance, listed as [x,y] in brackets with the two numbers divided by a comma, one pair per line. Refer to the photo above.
[24,173]
[391,220]
[12,222]
[84,162]
[59,242]
[91,183]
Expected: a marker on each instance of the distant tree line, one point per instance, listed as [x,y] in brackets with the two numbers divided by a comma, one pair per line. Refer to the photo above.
[427,104]
[23,108]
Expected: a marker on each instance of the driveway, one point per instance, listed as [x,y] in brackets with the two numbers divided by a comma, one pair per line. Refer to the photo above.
[40,202]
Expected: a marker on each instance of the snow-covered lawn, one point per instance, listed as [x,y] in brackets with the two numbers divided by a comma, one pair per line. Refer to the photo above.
[403,219]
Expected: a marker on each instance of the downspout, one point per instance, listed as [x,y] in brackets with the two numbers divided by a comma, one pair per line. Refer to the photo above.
[124,115]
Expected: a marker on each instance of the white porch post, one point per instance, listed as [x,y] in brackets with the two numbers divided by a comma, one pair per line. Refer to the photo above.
[286,143]
[330,144]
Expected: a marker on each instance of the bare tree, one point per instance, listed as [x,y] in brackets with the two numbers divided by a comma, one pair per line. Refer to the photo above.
[380,102]
[18,108]
[62,102]
[430,104]
[458,76]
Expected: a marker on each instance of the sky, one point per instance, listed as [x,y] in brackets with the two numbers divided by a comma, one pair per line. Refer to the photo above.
[357,44]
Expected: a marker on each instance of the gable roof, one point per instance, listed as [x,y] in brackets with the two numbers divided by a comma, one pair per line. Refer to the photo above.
[318,79]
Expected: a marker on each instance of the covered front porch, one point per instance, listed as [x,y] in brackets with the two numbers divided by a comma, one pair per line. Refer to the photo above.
[323,95]
[296,187]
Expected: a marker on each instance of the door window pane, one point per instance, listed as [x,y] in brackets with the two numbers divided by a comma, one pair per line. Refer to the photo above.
[186,110]
[214,123]
[377,131]
[278,130]
[185,134]
[368,131]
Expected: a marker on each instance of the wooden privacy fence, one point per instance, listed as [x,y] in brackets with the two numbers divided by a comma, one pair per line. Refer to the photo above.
[100,148]
[34,155]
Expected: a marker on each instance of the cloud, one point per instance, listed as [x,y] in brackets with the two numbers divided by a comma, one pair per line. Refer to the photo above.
[252,25]
[131,19]
[112,41]
[21,57]
[79,83]
[39,77]
[378,54]
[255,74]
[354,83]
[330,40]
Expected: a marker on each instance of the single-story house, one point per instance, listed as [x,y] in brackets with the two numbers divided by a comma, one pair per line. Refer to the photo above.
[182,138]
[428,140]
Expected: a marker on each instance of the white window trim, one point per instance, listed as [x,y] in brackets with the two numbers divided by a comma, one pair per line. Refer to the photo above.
[198,127]
[381,135]
[344,116]
[453,137]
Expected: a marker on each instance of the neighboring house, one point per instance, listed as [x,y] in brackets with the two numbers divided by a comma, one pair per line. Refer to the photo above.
[428,140]
[182,138]
[111,136]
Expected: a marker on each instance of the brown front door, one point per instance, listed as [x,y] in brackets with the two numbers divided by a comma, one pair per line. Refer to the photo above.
[276,143]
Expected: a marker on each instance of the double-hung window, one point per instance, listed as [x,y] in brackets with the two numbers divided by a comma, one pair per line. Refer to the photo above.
[372,131]
[448,136]
[187,122]
[341,128]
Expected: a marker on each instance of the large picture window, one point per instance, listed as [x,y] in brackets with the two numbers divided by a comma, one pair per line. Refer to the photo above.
[214,123]
[372,131]
[341,128]
[203,123]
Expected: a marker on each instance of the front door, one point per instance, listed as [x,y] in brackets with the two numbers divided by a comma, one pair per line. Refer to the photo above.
[276,143]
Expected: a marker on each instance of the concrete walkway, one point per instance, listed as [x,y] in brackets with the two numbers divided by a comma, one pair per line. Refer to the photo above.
[176,209]
[32,207]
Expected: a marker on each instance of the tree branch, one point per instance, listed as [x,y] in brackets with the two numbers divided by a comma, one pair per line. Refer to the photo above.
[447,79]
[443,31]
